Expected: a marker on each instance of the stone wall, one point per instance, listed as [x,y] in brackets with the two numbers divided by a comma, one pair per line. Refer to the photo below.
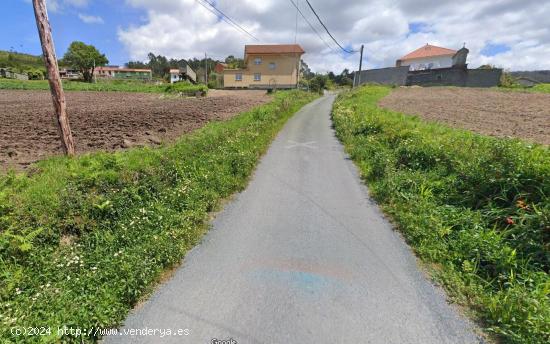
[455,77]
[537,75]
[401,76]
[385,76]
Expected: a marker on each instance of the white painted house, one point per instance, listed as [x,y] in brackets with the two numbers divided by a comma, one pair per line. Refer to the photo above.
[184,73]
[428,57]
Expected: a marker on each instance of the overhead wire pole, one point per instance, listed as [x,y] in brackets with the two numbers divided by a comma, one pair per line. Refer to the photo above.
[360,66]
[56,88]
[205,69]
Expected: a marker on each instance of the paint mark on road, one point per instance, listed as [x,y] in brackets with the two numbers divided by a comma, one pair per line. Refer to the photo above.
[294,144]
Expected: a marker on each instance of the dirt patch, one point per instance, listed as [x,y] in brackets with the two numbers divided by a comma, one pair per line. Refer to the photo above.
[107,120]
[489,112]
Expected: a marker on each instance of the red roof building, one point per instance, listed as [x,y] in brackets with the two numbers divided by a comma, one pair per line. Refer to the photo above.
[427,57]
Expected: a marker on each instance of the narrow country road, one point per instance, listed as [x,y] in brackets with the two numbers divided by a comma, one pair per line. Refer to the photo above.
[301,256]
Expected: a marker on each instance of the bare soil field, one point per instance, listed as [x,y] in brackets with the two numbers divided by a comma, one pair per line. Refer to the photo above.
[107,120]
[503,114]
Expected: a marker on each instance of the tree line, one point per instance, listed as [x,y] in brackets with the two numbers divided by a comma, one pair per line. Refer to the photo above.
[85,58]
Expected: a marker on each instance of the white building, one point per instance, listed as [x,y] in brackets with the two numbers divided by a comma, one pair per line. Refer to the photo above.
[428,57]
[184,73]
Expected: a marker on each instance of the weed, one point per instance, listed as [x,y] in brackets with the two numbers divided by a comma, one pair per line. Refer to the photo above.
[83,239]
[476,206]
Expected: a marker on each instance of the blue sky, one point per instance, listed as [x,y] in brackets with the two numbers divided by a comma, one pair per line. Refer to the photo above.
[507,33]
[18,29]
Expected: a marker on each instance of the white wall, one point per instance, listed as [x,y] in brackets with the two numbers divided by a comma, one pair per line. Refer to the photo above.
[437,62]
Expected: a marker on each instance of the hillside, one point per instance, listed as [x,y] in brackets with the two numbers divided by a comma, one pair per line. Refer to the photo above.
[20,61]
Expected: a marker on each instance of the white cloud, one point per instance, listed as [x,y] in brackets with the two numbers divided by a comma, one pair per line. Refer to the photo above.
[90,19]
[58,5]
[184,29]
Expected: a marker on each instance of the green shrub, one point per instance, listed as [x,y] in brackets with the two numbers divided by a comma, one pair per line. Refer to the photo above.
[186,88]
[544,88]
[83,239]
[478,207]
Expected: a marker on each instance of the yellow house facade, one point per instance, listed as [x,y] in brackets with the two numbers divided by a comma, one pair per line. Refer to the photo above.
[267,66]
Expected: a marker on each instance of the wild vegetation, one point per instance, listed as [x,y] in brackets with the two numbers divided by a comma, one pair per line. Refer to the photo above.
[31,65]
[475,208]
[186,88]
[510,83]
[83,239]
[106,85]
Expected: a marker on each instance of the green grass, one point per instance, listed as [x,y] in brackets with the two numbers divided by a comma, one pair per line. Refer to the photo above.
[115,86]
[545,88]
[538,88]
[83,239]
[476,209]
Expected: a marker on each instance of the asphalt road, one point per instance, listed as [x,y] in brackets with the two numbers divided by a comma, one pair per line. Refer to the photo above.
[301,256]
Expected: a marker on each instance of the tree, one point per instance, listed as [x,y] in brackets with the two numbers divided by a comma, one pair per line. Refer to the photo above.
[84,58]
[306,71]
[136,64]
[233,62]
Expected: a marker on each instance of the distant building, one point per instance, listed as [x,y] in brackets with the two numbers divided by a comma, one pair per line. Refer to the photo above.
[115,72]
[71,74]
[183,73]
[219,68]
[9,74]
[267,66]
[433,57]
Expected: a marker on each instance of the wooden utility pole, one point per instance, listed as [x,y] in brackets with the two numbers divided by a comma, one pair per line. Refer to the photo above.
[205,69]
[56,88]
[360,66]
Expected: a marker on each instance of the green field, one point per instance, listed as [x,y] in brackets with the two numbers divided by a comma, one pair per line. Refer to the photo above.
[475,209]
[114,86]
[83,239]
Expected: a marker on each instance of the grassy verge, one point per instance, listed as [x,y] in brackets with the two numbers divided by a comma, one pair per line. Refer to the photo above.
[539,88]
[113,86]
[81,240]
[476,208]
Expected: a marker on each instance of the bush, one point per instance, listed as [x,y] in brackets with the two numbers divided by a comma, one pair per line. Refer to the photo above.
[318,83]
[507,80]
[478,207]
[186,88]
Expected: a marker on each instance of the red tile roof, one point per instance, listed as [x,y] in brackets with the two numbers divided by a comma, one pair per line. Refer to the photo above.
[273,49]
[428,51]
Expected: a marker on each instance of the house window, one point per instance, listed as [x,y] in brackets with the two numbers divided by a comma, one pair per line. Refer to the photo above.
[272,65]
[257,76]
[239,77]
[258,60]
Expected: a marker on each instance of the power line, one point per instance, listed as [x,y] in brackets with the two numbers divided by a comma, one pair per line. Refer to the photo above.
[296,30]
[334,39]
[225,17]
[310,25]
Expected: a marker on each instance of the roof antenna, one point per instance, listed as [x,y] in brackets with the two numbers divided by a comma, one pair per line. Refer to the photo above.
[464,46]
